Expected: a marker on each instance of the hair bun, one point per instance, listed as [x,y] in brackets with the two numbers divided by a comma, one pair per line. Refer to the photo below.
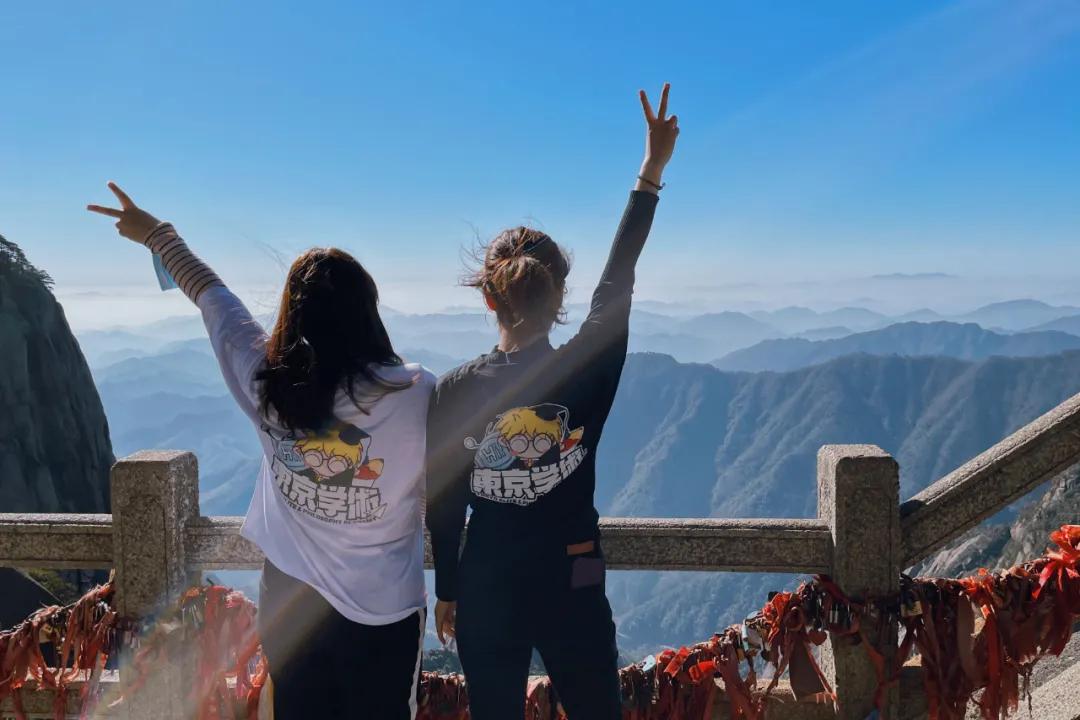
[524,272]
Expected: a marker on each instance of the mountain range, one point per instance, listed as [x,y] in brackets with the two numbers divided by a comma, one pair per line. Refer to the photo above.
[459,335]
[1010,315]
[691,440]
[683,439]
[1068,324]
[154,398]
[966,341]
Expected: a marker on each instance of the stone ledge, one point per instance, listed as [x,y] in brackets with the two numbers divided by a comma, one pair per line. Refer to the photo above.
[39,703]
[990,481]
[767,545]
[214,543]
[714,545]
[56,540]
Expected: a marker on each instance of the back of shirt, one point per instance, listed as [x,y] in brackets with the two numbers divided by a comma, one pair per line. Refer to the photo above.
[340,508]
[522,430]
[515,434]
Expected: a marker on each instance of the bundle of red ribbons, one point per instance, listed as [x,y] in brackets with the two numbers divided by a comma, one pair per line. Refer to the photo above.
[985,633]
[978,639]
[80,637]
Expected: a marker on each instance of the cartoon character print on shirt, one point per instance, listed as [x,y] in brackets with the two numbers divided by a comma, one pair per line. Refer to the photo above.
[329,475]
[525,453]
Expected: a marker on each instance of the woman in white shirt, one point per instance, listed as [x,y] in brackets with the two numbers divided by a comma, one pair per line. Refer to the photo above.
[337,505]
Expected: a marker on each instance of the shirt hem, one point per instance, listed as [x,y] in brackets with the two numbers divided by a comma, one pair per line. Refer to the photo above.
[356,616]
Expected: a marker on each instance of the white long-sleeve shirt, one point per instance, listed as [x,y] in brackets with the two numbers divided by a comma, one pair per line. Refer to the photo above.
[338,510]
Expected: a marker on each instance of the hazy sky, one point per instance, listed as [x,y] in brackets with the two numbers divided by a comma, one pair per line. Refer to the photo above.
[821,141]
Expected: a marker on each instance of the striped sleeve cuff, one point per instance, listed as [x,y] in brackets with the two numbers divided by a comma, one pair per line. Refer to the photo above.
[191,274]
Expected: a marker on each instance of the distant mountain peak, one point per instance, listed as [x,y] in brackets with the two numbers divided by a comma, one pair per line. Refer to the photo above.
[1020,303]
[914,276]
[962,340]
[1018,314]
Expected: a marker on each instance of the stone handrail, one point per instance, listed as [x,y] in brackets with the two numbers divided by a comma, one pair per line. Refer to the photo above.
[65,542]
[991,481]
[156,538]
[788,546]
[56,540]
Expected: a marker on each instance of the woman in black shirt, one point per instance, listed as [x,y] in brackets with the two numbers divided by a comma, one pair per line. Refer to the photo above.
[514,434]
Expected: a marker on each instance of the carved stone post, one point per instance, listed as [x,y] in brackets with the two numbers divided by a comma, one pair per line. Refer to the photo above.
[859,499]
[155,494]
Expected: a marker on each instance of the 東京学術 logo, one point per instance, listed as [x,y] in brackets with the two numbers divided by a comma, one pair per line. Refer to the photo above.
[525,453]
[329,475]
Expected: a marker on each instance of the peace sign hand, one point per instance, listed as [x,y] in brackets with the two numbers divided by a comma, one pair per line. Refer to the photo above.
[133,222]
[661,133]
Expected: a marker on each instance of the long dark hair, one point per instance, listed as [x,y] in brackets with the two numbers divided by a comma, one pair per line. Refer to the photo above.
[328,333]
[524,272]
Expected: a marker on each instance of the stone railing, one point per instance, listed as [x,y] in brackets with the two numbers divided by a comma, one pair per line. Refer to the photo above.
[158,542]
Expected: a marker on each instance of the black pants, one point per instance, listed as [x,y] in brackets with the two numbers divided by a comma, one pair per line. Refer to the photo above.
[511,600]
[324,665]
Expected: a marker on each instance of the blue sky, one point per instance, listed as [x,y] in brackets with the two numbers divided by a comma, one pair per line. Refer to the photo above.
[820,140]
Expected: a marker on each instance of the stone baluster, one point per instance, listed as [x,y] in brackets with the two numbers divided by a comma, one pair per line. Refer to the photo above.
[155,495]
[858,499]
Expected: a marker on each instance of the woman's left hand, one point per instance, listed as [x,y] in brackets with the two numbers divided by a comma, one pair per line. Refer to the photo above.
[133,222]
[446,620]
[661,132]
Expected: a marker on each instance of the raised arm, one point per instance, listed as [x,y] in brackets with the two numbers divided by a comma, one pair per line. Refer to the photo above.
[239,342]
[609,313]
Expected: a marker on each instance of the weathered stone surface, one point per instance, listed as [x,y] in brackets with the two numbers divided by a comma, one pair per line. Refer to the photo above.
[214,543]
[1055,696]
[858,498]
[795,546]
[39,702]
[56,540]
[912,704]
[782,706]
[990,481]
[1058,699]
[155,496]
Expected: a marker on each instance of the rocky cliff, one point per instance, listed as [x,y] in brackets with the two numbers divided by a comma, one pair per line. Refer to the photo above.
[55,452]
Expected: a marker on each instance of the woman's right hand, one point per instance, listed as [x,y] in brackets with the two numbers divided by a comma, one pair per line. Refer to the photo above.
[133,222]
[661,133]
[445,620]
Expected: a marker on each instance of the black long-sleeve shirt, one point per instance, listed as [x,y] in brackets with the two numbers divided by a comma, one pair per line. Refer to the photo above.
[514,434]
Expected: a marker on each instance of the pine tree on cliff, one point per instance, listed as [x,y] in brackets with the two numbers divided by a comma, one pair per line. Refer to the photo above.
[14,266]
